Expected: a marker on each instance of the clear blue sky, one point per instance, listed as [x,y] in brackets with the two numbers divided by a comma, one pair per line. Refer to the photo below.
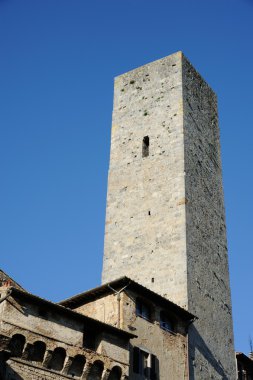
[57,63]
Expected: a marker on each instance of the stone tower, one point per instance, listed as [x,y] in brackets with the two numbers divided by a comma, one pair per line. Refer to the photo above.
[165,220]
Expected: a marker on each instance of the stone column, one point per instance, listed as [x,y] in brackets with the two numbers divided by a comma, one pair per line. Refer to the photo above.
[105,374]
[47,358]
[86,370]
[27,351]
[67,363]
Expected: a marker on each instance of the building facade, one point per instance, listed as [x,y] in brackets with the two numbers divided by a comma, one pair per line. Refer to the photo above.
[160,348]
[43,340]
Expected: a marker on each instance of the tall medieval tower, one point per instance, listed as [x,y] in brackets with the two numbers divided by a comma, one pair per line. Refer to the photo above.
[165,220]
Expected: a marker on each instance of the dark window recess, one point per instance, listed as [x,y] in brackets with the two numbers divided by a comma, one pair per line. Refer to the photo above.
[165,322]
[145,364]
[143,309]
[57,359]
[145,146]
[37,351]
[96,371]
[136,354]
[16,345]
[91,339]
[115,373]
[77,365]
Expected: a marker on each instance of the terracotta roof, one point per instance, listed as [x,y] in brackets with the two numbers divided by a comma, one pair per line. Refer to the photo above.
[4,277]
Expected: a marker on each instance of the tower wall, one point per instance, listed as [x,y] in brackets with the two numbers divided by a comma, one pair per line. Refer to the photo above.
[165,222]
[145,236]
[211,338]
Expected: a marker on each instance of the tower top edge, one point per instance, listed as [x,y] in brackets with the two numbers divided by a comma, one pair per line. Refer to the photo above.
[177,56]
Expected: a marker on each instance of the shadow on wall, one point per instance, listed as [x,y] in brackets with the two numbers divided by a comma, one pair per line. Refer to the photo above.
[6,372]
[198,344]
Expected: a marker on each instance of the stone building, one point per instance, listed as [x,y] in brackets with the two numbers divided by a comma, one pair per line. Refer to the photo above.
[244,366]
[163,310]
[160,347]
[165,208]
[43,340]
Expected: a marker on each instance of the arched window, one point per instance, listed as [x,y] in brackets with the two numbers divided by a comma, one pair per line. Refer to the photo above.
[143,309]
[115,373]
[77,365]
[96,371]
[166,322]
[57,359]
[37,352]
[16,345]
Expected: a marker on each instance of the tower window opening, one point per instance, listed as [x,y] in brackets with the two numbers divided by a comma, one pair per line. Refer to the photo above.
[145,146]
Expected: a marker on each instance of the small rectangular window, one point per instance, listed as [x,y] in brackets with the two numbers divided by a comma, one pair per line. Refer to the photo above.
[145,146]
[143,309]
[145,364]
[166,322]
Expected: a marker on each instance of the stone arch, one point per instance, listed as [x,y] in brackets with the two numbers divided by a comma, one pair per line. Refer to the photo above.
[16,345]
[37,351]
[57,360]
[115,373]
[96,370]
[77,366]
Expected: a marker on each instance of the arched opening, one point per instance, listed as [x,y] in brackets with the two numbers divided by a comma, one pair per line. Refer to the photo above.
[16,345]
[77,365]
[115,373]
[96,371]
[37,352]
[57,359]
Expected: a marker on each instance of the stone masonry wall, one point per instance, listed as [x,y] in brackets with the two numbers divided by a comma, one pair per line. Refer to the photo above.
[105,309]
[145,235]
[165,223]
[212,350]
[33,346]
[24,315]
[20,370]
[170,348]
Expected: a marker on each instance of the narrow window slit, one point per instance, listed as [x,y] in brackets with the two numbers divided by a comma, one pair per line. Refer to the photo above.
[145,146]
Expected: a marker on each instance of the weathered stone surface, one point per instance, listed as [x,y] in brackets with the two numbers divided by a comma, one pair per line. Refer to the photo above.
[169,347]
[165,222]
[40,341]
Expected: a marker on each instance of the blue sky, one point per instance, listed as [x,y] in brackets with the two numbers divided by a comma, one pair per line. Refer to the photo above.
[57,63]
